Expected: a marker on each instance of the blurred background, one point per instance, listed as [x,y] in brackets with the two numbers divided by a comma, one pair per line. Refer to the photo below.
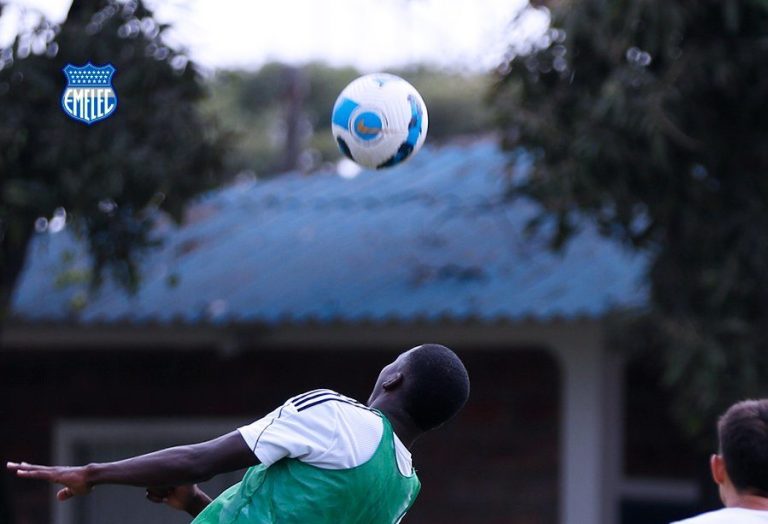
[586,227]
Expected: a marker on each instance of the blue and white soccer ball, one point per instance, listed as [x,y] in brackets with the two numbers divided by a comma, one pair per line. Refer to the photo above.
[379,120]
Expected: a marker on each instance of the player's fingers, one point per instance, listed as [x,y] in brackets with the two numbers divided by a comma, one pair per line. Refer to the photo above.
[36,467]
[158,492]
[39,474]
[154,497]
[64,494]
[22,465]
[32,474]
[26,466]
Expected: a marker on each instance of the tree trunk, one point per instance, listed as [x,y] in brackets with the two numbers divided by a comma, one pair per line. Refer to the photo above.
[293,98]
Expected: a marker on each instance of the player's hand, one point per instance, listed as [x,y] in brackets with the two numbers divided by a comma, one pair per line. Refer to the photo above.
[72,478]
[188,497]
[177,497]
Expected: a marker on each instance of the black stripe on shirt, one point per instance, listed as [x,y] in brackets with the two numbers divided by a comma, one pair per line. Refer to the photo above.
[324,393]
[297,398]
[336,399]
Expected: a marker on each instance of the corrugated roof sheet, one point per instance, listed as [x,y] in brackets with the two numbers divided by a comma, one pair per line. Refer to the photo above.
[432,239]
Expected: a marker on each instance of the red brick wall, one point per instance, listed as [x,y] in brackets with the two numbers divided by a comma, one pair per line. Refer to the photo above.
[497,463]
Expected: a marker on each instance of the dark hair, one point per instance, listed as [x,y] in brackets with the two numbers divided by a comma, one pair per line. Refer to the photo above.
[436,385]
[743,435]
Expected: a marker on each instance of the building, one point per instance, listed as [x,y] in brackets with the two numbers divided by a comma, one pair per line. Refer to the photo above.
[278,286]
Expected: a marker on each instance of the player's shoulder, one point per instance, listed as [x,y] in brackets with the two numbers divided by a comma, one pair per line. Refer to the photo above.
[727,516]
[325,400]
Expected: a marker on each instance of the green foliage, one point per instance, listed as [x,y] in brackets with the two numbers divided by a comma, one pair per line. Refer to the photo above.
[253,107]
[648,118]
[111,178]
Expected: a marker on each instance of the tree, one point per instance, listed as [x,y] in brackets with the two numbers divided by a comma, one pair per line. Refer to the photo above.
[277,115]
[648,118]
[280,115]
[108,180]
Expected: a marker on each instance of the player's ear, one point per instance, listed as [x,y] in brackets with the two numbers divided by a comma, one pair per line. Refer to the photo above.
[393,381]
[717,466]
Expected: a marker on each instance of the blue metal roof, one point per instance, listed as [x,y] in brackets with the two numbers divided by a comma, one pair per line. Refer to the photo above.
[430,240]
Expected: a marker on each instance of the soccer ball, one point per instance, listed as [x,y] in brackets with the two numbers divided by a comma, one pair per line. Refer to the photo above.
[379,120]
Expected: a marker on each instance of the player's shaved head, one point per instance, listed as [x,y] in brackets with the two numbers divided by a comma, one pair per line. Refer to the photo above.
[421,389]
[435,385]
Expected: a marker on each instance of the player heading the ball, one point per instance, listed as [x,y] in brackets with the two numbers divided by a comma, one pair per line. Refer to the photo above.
[320,458]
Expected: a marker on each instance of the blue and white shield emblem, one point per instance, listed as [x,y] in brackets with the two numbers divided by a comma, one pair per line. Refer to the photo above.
[89,95]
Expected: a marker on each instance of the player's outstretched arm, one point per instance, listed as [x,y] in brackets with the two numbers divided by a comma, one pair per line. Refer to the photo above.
[168,467]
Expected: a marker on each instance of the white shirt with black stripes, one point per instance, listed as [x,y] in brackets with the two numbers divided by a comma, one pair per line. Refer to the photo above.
[322,428]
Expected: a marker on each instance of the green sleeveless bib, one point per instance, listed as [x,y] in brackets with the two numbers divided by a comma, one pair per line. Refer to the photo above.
[291,492]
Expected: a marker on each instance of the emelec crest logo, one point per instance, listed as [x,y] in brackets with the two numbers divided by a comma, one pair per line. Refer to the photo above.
[89,95]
